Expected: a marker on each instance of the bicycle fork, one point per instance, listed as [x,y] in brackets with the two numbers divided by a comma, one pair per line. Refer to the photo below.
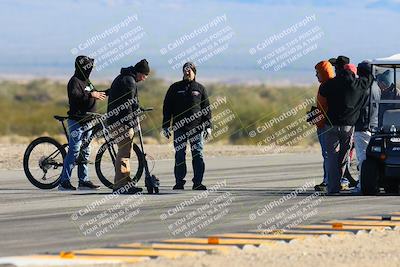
[151,181]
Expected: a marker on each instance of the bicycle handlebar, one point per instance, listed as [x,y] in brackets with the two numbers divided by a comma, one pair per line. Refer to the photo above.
[94,114]
[146,109]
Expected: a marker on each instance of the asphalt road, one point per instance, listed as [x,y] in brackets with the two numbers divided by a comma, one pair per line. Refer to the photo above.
[251,191]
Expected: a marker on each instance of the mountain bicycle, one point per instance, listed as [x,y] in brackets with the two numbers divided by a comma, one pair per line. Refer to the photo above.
[44,158]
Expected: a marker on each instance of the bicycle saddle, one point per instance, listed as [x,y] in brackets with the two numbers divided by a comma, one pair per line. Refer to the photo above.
[60,118]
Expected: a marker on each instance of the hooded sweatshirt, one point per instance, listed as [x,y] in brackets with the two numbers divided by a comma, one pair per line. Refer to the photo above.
[79,97]
[345,95]
[122,99]
[325,71]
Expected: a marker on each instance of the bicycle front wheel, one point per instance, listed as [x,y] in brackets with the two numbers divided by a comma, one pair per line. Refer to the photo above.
[105,163]
[43,162]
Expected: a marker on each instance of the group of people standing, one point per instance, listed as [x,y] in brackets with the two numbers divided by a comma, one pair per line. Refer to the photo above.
[183,103]
[348,100]
[343,102]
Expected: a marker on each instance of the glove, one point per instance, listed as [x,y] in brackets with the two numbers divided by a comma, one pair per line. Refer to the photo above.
[166,133]
[207,133]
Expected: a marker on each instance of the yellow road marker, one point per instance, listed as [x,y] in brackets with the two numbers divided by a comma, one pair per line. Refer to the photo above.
[305,232]
[172,254]
[345,227]
[379,218]
[67,255]
[367,223]
[337,226]
[265,236]
[212,240]
[221,248]
[222,241]
[95,259]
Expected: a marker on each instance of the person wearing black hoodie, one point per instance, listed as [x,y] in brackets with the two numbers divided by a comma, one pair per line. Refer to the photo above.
[345,96]
[82,99]
[122,111]
[187,108]
[367,122]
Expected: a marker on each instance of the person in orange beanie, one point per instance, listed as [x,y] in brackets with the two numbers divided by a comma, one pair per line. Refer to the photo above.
[324,72]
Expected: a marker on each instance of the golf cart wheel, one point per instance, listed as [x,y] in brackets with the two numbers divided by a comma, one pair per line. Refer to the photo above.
[369,177]
[391,187]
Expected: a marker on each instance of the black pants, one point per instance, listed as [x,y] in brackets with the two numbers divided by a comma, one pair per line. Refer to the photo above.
[338,144]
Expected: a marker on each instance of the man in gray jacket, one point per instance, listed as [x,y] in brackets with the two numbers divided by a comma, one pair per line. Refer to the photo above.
[367,121]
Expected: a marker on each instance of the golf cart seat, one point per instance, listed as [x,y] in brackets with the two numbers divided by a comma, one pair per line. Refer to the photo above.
[391,117]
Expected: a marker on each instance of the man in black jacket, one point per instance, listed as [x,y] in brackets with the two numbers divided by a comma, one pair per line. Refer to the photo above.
[345,96]
[186,104]
[122,111]
[82,99]
[367,121]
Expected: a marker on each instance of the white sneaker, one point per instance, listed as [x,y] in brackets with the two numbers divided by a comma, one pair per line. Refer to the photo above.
[344,184]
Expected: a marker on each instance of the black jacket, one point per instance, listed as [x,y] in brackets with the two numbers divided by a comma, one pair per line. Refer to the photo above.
[186,104]
[79,98]
[369,112]
[122,98]
[345,95]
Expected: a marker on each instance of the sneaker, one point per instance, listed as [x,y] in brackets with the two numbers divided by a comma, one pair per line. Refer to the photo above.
[199,187]
[320,187]
[87,185]
[179,186]
[353,183]
[66,186]
[344,184]
[131,191]
[356,190]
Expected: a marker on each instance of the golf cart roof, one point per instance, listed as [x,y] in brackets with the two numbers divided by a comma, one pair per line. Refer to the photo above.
[390,62]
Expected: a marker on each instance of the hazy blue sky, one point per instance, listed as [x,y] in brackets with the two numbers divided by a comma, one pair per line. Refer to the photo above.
[37,36]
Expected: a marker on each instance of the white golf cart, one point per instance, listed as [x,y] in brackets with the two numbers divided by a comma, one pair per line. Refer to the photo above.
[381,169]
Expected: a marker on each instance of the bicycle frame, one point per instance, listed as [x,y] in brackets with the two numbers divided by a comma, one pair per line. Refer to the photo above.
[104,134]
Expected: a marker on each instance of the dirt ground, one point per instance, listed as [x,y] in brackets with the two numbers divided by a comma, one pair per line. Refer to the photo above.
[376,248]
[11,154]
[364,249]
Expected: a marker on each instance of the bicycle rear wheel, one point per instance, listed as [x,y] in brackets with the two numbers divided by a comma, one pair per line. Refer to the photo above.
[43,162]
[105,163]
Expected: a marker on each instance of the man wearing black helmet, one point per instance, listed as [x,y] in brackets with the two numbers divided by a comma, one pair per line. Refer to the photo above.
[82,99]
[122,111]
[187,108]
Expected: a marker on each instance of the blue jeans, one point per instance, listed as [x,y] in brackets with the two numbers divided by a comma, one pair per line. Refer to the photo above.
[321,138]
[77,137]
[181,137]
